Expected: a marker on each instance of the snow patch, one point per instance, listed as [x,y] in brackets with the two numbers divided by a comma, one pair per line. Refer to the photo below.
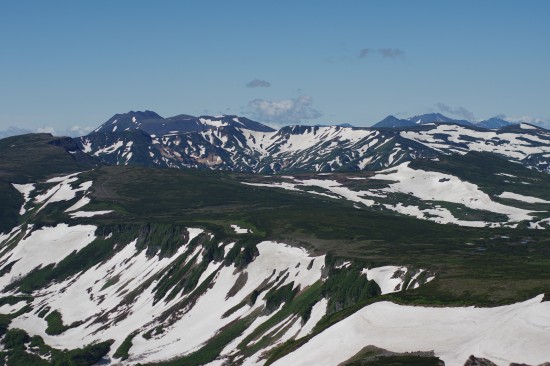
[240,230]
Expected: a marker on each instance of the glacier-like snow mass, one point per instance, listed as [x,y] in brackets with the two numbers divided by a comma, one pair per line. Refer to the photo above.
[512,333]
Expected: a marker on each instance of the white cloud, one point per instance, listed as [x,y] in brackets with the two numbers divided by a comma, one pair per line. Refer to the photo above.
[257,83]
[72,131]
[284,111]
[46,129]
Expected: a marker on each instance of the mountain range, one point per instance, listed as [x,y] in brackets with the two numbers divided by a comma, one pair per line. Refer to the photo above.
[240,144]
[437,118]
[217,240]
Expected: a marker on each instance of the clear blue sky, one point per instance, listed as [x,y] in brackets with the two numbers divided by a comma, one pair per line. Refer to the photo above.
[68,63]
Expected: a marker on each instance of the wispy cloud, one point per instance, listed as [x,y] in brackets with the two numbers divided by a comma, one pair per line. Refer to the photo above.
[257,83]
[384,52]
[365,52]
[459,111]
[391,52]
[284,111]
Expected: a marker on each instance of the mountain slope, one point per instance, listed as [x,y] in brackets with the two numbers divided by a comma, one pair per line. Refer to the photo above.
[236,144]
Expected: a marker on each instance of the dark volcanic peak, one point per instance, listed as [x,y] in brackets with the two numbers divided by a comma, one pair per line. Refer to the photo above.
[393,122]
[423,119]
[494,123]
[153,124]
[127,121]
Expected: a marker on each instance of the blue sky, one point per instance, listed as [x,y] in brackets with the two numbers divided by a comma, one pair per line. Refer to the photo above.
[74,63]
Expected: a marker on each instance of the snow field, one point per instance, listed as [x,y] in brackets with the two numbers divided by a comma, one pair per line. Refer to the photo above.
[434,186]
[45,246]
[512,333]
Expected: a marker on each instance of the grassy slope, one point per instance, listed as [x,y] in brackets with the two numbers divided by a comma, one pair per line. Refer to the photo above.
[27,159]
[473,265]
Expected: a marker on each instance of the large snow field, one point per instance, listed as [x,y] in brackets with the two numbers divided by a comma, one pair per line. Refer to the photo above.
[435,186]
[45,246]
[512,333]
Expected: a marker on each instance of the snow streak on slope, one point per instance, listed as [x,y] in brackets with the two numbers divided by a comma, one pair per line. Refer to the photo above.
[512,333]
[45,246]
[25,190]
[520,197]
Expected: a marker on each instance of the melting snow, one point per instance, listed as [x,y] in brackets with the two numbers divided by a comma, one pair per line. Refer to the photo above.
[89,213]
[512,333]
[46,246]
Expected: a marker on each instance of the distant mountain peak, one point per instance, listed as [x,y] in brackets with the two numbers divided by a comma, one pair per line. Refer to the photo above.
[423,119]
[153,124]
[494,123]
[430,118]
